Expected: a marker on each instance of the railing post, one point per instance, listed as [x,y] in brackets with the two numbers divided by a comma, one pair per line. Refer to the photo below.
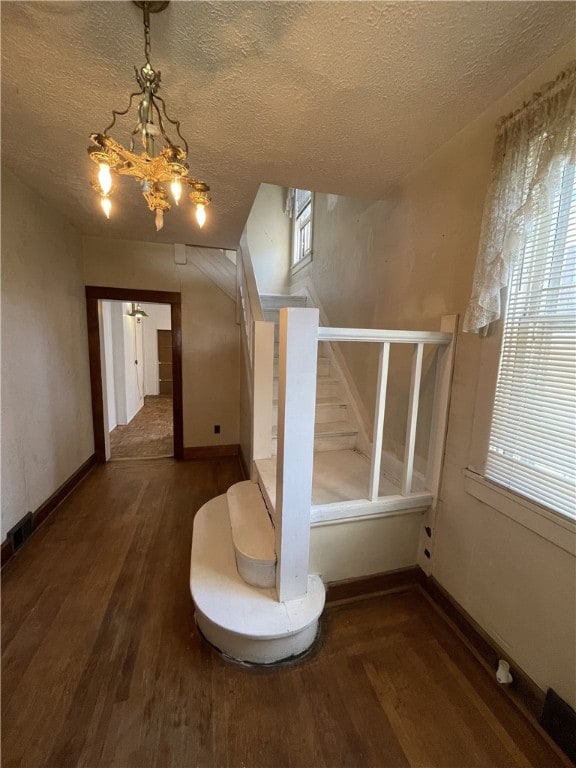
[445,366]
[296,407]
[379,421]
[408,470]
[262,391]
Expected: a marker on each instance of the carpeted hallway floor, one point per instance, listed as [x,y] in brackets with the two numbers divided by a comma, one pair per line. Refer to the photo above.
[149,434]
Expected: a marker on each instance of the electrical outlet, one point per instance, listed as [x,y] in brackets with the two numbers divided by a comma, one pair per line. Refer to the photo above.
[216,429]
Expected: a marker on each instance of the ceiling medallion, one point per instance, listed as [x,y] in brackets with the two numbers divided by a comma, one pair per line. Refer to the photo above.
[154,170]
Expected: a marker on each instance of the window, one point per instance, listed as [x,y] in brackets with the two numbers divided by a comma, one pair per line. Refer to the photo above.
[532,442]
[523,452]
[301,226]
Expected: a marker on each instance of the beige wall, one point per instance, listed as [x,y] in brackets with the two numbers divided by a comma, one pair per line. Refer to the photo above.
[268,235]
[210,337]
[405,261]
[46,407]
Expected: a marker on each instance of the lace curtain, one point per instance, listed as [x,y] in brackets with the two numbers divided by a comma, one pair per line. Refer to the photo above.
[289,202]
[533,147]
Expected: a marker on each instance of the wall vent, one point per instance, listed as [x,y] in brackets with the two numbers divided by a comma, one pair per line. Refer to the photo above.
[20,532]
[559,720]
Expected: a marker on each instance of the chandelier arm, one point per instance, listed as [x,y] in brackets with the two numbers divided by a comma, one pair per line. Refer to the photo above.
[116,113]
[175,123]
[161,124]
[134,133]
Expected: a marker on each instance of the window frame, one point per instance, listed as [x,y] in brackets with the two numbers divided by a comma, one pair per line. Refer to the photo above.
[296,264]
[554,526]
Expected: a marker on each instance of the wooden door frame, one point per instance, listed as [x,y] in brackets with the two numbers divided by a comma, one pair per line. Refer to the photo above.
[96,293]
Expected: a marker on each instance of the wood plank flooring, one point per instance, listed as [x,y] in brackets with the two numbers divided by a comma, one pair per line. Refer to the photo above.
[149,434]
[102,664]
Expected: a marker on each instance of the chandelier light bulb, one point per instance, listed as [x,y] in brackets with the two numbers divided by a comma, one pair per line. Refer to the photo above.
[176,189]
[200,214]
[106,206]
[159,219]
[105,178]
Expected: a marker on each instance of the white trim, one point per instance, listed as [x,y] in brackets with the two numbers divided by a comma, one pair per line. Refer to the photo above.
[373,335]
[299,265]
[363,509]
[552,526]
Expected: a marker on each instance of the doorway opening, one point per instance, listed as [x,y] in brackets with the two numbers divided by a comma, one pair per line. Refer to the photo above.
[137,373]
[135,347]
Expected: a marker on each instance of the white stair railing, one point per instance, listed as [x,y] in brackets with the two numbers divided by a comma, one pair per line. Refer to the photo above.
[258,341]
[444,341]
[299,337]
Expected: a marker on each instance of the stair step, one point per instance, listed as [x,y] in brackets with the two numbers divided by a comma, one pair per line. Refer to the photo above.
[323,349]
[326,386]
[252,534]
[329,436]
[324,367]
[327,409]
[245,623]
[336,428]
[273,301]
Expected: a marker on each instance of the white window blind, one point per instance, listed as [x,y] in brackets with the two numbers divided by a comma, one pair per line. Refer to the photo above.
[532,448]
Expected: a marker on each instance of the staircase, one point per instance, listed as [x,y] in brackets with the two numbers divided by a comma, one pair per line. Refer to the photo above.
[232,581]
[334,429]
[255,599]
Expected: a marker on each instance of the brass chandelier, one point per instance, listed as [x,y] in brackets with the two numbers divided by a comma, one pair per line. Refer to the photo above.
[153,170]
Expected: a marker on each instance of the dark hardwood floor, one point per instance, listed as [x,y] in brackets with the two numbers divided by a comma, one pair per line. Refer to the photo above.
[102,664]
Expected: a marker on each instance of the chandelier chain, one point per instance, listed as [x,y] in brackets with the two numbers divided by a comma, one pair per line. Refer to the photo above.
[147,47]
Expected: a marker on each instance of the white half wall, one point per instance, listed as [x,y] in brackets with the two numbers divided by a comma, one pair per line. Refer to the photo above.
[357,548]
[46,402]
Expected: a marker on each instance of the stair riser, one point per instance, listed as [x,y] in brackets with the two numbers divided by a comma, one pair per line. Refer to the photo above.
[256,651]
[324,367]
[274,303]
[323,349]
[324,388]
[324,413]
[326,443]
[262,575]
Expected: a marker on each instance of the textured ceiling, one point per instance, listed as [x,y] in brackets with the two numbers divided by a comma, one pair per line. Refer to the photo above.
[341,97]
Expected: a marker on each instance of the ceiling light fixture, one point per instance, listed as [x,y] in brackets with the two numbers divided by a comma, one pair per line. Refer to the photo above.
[136,311]
[152,170]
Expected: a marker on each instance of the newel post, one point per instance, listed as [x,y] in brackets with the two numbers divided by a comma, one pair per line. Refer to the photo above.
[296,407]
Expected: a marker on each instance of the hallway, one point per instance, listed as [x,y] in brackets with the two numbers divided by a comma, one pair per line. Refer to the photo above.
[102,664]
[149,434]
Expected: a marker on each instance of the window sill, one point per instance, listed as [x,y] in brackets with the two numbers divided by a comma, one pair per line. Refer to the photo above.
[300,265]
[556,528]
